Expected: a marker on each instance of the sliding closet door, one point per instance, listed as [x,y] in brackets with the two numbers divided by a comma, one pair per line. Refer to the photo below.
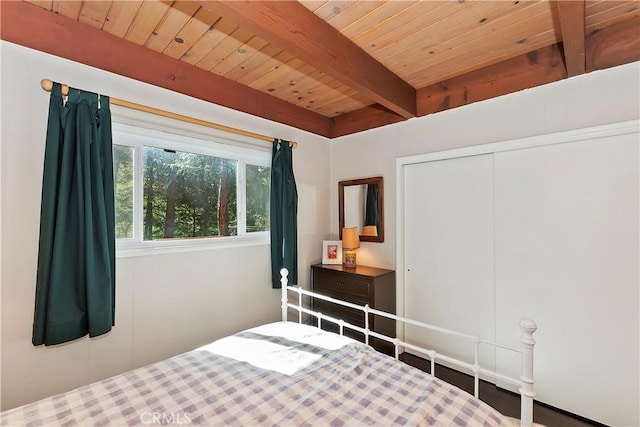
[567,256]
[448,236]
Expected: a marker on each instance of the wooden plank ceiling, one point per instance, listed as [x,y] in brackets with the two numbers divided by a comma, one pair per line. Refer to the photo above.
[334,67]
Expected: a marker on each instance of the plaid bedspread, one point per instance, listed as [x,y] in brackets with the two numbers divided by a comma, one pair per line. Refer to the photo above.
[351,386]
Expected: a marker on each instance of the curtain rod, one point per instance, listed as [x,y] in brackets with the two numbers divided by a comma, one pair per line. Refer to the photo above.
[47,85]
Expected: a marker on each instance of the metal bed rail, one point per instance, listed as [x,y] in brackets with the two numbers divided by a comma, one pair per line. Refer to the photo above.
[528,327]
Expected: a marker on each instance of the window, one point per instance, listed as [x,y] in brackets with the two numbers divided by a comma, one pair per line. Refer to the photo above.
[179,191]
[188,195]
[258,187]
[123,178]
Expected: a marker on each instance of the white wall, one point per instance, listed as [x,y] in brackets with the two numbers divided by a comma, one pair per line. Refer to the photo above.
[599,98]
[166,304]
[381,148]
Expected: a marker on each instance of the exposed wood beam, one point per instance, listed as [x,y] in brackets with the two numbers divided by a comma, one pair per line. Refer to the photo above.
[297,30]
[363,119]
[614,45]
[40,29]
[535,68]
[37,28]
[572,23]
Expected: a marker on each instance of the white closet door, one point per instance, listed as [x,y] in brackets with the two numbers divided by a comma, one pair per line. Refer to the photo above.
[448,250]
[567,256]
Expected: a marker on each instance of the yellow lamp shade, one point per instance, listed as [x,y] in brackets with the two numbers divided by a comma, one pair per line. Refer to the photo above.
[350,238]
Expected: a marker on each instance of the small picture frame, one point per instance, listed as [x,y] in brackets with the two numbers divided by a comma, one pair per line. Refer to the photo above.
[332,251]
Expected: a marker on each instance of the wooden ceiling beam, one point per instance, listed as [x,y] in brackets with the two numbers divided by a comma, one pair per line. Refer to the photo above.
[297,30]
[31,26]
[572,27]
[535,68]
[34,27]
[363,119]
[614,45]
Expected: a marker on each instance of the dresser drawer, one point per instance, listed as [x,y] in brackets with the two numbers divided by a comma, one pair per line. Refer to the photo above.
[351,315]
[361,285]
[340,285]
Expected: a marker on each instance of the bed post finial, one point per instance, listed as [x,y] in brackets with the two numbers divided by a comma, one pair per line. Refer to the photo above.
[284,273]
[527,342]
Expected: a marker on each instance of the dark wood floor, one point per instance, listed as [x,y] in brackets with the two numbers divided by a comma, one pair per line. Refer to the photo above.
[504,401]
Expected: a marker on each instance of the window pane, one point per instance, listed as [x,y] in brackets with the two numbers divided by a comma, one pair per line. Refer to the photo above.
[188,195]
[123,175]
[258,185]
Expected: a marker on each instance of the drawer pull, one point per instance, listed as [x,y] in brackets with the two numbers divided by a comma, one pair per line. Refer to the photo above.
[340,283]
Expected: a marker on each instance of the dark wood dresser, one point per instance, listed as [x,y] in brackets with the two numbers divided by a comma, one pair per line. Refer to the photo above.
[360,285]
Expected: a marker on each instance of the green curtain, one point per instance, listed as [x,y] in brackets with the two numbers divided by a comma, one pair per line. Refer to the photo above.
[75,284]
[371,210]
[284,213]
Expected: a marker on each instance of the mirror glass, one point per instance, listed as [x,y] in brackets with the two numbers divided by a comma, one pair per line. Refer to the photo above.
[361,205]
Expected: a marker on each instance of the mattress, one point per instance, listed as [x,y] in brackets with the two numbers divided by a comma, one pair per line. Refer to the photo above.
[277,374]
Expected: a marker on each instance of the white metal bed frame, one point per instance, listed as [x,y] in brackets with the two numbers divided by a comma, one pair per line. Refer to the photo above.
[524,382]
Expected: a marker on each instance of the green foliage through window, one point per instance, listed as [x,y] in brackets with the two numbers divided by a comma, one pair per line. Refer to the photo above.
[123,174]
[166,191]
[188,195]
[258,186]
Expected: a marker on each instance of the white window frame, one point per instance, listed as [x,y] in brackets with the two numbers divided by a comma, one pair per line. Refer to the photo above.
[200,143]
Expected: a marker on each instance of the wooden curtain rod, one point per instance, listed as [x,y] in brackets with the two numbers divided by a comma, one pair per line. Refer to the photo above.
[48,85]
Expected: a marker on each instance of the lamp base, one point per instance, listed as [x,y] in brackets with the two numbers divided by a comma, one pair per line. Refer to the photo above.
[350,259]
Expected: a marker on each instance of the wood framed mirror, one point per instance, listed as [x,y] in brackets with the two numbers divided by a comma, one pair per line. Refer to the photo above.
[361,204]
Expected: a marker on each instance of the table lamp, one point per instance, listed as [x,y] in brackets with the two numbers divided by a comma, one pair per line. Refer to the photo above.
[350,242]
